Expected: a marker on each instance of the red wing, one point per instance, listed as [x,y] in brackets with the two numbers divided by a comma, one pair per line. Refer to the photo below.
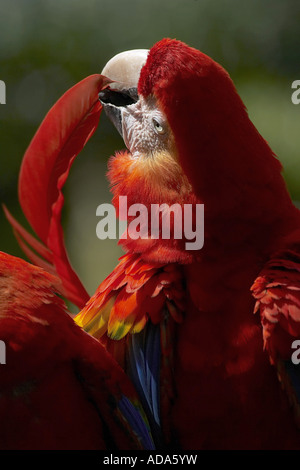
[60,389]
[134,312]
[133,293]
[46,164]
[277,294]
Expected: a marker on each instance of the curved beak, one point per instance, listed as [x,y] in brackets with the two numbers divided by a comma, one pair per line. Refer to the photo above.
[124,70]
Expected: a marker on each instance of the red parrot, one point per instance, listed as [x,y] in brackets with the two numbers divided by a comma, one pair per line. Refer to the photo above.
[59,388]
[180,321]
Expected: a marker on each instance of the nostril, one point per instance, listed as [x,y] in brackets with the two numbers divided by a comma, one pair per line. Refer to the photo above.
[116,98]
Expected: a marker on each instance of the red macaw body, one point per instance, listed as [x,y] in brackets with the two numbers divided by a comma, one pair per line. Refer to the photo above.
[59,388]
[225,394]
[179,321]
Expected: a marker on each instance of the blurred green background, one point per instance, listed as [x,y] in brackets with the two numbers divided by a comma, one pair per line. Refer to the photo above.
[47,46]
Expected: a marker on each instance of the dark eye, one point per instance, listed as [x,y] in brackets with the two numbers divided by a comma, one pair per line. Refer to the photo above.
[158,126]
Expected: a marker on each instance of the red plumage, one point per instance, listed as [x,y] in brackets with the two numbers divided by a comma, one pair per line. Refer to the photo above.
[45,167]
[217,388]
[220,362]
[60,389]
[227,395]
[140,291]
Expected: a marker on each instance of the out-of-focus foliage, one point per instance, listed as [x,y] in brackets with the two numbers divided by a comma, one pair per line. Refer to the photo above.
[46,46]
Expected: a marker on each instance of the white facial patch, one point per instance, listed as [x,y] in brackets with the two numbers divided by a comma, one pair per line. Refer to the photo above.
[145,129]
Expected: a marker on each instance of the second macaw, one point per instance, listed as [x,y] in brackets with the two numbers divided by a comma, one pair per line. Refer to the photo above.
[180,321]
[59,388]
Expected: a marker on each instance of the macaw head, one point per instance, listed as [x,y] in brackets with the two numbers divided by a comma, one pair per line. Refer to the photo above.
[188,136]
[150,165]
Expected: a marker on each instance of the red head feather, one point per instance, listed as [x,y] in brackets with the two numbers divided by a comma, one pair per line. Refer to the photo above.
[230,166]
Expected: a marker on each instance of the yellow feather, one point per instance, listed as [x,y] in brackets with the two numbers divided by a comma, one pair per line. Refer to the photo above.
[95,324]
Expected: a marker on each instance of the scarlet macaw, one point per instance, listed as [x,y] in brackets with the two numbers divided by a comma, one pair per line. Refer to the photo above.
[59,388]
[180,321]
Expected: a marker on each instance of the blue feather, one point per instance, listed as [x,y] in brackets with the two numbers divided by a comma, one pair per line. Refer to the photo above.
[143,367]
[136,422]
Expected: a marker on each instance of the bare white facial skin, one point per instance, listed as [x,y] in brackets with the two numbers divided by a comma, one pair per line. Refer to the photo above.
[145,129]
